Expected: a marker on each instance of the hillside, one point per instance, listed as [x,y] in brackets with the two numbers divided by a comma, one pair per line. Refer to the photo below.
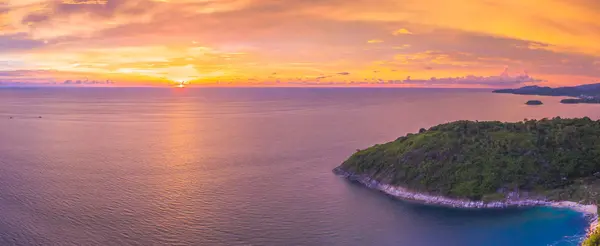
[591,90]
[556,159]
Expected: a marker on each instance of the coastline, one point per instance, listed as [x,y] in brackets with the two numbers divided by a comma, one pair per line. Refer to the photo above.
[590,211]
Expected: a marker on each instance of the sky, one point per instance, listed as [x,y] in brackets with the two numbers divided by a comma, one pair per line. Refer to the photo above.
[412,43]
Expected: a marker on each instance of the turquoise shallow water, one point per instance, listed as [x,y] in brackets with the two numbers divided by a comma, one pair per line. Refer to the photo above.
[534,226]
[134,166]
[513,226]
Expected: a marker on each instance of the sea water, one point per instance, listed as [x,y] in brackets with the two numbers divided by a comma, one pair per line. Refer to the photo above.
[240,166]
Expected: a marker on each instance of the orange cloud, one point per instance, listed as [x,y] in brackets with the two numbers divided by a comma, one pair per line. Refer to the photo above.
[92,2]
[375,41]
[402,31]
[251,40]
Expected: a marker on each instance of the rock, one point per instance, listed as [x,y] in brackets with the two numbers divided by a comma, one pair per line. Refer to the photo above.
[515,201]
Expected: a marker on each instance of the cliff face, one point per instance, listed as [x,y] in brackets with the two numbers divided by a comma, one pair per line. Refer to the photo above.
[593,236]
[424,198]
[515,200]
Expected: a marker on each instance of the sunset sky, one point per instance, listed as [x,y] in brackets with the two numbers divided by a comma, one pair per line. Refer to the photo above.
[459,43]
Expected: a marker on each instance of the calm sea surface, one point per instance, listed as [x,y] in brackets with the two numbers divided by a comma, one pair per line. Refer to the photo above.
[239,167]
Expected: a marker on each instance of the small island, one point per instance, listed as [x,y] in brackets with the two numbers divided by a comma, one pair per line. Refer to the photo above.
[580,100]
[469,164]
[534,102]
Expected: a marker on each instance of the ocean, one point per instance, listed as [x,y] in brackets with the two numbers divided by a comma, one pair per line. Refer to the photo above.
[240,166]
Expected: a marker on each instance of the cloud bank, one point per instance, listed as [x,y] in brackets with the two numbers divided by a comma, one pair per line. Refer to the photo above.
[209,41]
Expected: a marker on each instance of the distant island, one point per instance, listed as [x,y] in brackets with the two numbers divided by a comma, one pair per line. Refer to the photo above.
[534,102]
[581,100]
[583,93]
[467,164]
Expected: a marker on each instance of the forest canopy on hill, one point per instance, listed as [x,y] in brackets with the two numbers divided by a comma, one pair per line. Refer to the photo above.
[558,159]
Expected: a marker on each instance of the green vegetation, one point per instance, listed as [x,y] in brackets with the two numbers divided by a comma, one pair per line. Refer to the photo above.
[593,239]
[558,159]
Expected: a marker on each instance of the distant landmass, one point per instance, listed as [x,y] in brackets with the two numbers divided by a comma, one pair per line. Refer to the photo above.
[571,91]
[467,164]
[581,100]
[589,93]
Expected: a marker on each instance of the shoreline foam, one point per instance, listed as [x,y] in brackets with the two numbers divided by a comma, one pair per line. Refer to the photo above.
[588,210]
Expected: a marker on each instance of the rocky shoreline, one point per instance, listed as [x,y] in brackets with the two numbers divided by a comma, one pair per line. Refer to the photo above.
[589,210]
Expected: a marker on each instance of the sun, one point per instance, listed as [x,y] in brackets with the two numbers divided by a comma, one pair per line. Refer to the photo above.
[181,84]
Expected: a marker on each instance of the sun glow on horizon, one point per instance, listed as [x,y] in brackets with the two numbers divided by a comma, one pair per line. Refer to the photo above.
[424,43]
